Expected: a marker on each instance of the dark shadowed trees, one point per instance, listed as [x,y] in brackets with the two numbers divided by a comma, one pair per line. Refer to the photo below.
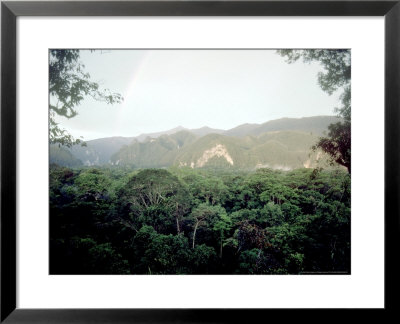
[148,222]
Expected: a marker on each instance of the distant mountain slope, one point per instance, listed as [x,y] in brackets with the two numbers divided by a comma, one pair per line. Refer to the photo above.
[315,125]
[241,130]
[205,131]
[143,137]
[153,152]
[62,156]
[280,150]
[200,152]
[197,131]
[284,150]
[99,151]
[283,143]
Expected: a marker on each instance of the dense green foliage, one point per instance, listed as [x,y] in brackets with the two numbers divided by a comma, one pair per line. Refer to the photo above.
[198,221]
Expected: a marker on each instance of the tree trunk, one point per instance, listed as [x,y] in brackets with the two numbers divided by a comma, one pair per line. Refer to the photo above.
[194,233]
[177,225]
[177,218]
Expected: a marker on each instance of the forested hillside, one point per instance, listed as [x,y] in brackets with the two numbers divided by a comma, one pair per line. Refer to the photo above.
[279,144]
[315,125]
[62,156]
[199,221]
[284,150]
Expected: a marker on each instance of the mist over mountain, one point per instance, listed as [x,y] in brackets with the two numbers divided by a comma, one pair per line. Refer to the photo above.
[279,144]
[62,156]
[99,151]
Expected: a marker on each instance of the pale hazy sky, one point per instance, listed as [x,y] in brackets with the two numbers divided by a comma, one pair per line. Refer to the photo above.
[163,89]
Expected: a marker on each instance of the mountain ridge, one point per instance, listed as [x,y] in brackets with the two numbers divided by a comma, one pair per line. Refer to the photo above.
[283,142]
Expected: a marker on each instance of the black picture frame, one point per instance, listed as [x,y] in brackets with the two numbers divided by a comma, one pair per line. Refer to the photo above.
[10,10]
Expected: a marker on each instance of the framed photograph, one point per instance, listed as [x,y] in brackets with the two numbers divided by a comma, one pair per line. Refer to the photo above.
[198,161]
